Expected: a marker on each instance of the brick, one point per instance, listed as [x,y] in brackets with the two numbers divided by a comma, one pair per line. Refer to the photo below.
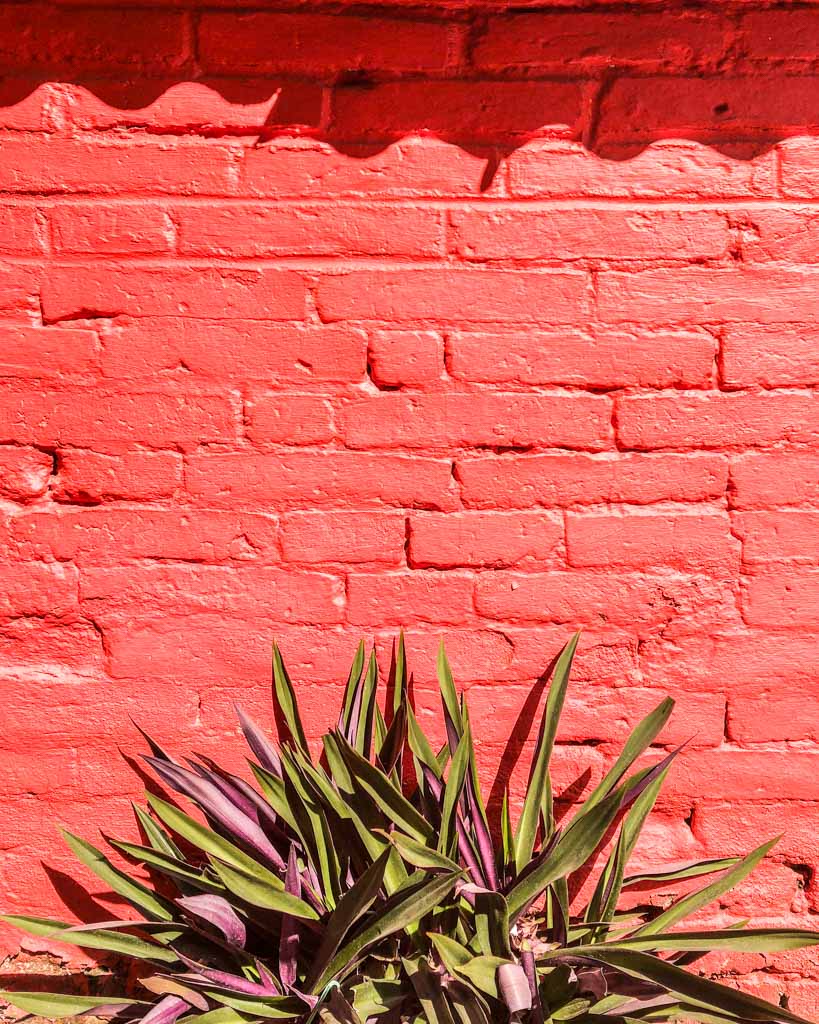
[752,660]
[49,655]
[41,35]
[601,714]
[708,108]
[745,775]
[229,292]
[311,43]
[673,602]
[487,539]
[395,598]
[777,233]
[736,828]
[111,230]
[479,419]
[19,230]
[61,165]
[786,357]
[91,417]
[355,537]
[785,598]
[558,479]
[313,478]
[650,538]
[86,476]
[253,230]
[713,420]
[588,232]
[290,419]
[457,109]
[777,716]
[605,359]
[596,40]
[412,168]
[406,358]
[447,295]
[19,287]
[787,34]
[27,351]
[268,593]
[777,536]
[234,350]
[774,478]
[24,473]
[670,168]
[797,161]
[37,589]
[111,536]
[752,293]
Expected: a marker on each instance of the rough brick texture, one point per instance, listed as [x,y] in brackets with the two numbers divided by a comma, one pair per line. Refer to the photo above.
[321,319]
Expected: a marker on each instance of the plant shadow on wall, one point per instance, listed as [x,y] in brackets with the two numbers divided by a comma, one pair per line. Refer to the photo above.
[488,81]
[369,885]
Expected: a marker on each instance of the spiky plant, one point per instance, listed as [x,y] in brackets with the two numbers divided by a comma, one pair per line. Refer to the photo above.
[367,885]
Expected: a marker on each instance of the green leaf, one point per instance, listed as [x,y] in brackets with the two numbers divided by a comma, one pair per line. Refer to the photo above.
[450,952]
[482,972]
[351,688]
[376,996]
[136,894]
[574,848]
[259,893]
[687,905]
[312,824]
[492,924]
[527,825]
[429,991]
[101,938]
[276,1007]
[404,911]
[702,867]
[54,1006]
[399,693]
[749,940]
[204,838]
[285,700]
[156,836]
[351,907]
[179,870]
[708,994]
[420,856]
[640,739]
[389,800]
[452,795]
[449,697]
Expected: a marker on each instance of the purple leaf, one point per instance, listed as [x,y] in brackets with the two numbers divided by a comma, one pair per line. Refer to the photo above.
[156,750]
[653,773]
[223,979]
[289,939]
[486,850]
[527,959]
[215,804]
[218,912]
[227,789]
[265,752]
[268,981]
[166,1011]
[464,843]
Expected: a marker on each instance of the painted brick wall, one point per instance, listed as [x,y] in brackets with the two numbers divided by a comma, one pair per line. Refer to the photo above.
[317,323]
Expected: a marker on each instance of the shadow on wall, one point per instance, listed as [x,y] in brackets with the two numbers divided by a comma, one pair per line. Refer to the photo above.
[737,78]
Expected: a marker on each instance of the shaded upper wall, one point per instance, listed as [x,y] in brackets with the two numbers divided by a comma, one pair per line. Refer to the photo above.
[737,76]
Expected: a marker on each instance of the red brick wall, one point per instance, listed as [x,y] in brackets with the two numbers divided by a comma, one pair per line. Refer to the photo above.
[491,325]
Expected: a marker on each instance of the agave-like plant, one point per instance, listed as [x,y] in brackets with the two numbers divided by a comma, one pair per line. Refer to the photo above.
[367,886]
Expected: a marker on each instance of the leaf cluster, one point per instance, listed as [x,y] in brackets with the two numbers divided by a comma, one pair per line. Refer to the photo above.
[366,885]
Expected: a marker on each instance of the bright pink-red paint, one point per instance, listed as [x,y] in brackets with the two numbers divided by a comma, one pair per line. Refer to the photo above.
[317,323]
